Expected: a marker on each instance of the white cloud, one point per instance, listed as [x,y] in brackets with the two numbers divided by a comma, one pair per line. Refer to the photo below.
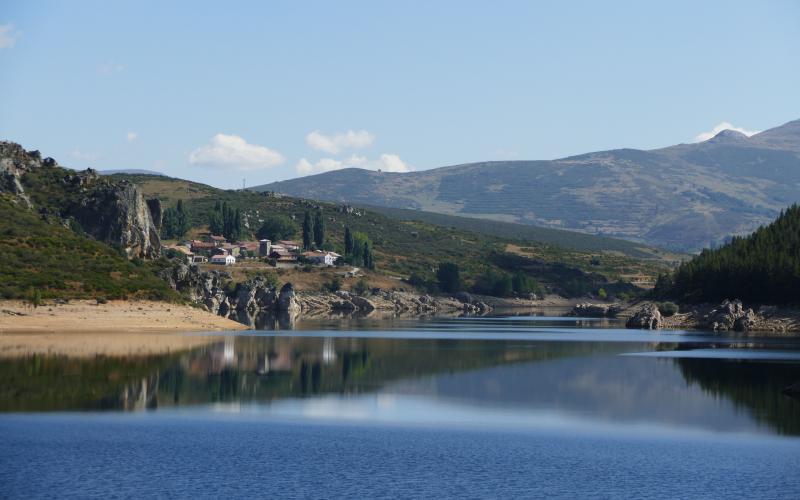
[719,128]
[392,163]
[334,144]
[131,136]
[8,36]
[231,151]
[386,163]
[305,167]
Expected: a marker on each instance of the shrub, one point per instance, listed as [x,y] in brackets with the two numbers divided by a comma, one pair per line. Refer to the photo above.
[35,297]
[668,308]
[361,287]
[447,275]
[334,285]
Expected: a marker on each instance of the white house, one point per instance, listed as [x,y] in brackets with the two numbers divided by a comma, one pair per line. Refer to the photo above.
[225,260]
[322,258]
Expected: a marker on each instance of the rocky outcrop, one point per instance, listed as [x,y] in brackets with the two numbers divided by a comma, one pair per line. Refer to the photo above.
[15,162]
[389,301]
[247,300]
[204,288]
[590,310]
[112,212]
[730,315]
[287,301]
[117,213]
[647,317]
[156,212]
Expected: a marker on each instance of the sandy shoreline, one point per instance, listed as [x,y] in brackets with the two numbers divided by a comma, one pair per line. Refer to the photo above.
[117,316]
[117,328]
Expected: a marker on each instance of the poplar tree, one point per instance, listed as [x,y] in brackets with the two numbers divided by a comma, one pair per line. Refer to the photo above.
[308,231]
[319,229]
[348,242]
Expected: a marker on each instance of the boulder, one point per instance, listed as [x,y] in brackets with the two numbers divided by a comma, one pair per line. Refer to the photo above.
[647,317]
[287,300]
[725,317]
[746,322]
[589,310]
[362,304]
[342,305]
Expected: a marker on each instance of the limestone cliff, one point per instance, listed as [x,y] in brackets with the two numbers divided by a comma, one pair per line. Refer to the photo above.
[112,212]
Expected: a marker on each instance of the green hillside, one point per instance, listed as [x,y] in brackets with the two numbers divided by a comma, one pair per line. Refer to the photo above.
[762,268]
[51,261]
[567,239]
[406,247]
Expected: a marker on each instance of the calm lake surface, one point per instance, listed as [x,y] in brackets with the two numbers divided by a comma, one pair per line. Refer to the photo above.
[517,406]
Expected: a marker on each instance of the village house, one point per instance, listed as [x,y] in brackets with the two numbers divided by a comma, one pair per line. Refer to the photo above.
[283,257]
[321,258]
[216,240]
[251,247]
[202,246]
[231,250]
[223,259]
[290,245]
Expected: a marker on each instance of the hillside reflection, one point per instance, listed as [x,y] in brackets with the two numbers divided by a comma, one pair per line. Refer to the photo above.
[579,377]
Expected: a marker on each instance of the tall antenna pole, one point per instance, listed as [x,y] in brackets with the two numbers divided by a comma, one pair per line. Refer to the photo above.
[243,184]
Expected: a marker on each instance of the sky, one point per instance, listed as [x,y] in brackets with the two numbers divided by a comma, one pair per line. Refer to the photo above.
[266,91]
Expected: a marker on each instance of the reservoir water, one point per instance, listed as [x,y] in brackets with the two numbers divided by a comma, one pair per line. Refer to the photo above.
[516,406]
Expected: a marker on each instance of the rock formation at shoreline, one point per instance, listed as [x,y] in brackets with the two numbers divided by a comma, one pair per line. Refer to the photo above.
[648,317]
[730,315]
[210,288]
[590,310]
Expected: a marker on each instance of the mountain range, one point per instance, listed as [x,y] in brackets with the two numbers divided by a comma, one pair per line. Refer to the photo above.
[682,197]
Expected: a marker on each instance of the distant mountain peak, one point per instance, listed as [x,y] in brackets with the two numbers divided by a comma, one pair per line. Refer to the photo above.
[729,136]
[683,197]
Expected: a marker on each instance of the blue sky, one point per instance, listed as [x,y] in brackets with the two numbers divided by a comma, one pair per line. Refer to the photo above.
[272,90]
